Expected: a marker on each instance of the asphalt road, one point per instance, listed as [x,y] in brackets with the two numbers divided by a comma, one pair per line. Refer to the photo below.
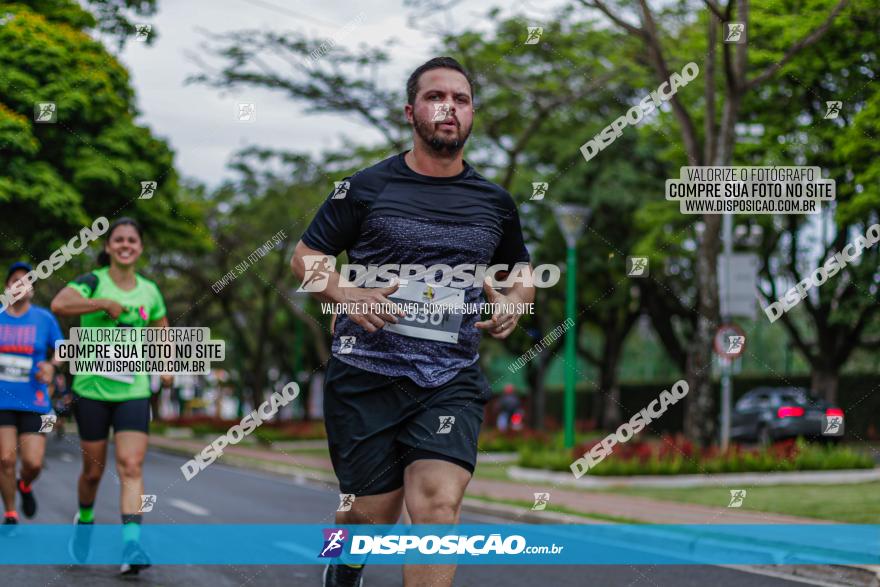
[228,495]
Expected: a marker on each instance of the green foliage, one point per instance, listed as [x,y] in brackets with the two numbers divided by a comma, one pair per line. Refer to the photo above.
[799,456]
[56,178]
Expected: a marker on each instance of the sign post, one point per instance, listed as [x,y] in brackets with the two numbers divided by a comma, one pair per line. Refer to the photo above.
[729,343]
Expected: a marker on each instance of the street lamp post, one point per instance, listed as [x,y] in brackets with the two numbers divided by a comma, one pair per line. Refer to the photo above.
[571,219]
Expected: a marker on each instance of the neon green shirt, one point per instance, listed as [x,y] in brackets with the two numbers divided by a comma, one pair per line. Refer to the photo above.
[143,304]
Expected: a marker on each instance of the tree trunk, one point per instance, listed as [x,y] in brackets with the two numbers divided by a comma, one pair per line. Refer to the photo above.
[538,395]
[700,413]
[609,416]
[824,382]
[699,419]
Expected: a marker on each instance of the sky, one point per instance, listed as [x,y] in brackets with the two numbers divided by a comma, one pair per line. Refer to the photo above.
[201,123]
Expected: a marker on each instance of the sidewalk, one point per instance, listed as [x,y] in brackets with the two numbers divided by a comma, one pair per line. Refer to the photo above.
[602,504]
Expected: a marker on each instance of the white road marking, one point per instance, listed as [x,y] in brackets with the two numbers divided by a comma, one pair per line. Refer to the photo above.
[188,507]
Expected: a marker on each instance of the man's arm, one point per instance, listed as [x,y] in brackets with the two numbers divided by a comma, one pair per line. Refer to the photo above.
[339,290]
[505,319]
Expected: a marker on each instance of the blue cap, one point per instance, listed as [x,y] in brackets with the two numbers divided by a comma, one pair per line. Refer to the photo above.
[16,266]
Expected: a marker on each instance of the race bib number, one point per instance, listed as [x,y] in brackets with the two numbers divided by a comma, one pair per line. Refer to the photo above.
[439,312]
[15,368]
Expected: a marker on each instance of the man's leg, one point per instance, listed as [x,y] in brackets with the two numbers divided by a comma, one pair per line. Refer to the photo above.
[433,491]
[373,509]
[33,449]
[8,455]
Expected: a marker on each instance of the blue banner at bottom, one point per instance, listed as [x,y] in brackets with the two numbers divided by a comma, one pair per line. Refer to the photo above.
[483,544]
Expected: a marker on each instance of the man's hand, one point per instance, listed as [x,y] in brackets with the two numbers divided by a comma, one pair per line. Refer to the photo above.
[502,323]
[46,372]
[363,298]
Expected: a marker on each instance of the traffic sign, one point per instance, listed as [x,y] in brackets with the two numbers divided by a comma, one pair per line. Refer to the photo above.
[730,341]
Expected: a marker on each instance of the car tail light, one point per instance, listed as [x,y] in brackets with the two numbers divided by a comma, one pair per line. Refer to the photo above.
[833,412]
[789,412]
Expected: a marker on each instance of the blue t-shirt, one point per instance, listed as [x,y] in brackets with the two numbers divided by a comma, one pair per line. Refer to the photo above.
[391,214]
[25,341]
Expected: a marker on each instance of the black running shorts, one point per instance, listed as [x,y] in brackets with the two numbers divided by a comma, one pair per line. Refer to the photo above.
[377,425]
[94,417]
[24,422]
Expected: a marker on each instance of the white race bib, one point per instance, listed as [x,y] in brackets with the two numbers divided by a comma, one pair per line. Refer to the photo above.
[441,324]
[15,368]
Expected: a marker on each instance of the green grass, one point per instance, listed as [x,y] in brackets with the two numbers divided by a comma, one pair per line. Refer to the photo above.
[527,505]
[492,471]
[854,504]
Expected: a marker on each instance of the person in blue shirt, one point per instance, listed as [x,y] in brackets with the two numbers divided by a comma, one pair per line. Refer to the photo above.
[27,341]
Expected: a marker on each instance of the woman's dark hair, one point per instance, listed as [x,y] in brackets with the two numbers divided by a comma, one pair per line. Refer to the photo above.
[103,256]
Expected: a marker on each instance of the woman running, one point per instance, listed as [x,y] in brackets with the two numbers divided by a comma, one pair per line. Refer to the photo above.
[113,296]
[27,340]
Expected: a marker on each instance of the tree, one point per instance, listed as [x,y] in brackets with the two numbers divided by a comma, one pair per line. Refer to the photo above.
[836,319]
[726,88]
[57,177]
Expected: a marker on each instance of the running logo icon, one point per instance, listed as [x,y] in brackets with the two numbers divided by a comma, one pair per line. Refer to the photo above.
[541,501]
[441,111]
[247,112]
[334,542]
[346,344]
[735,344]
[637,266]
[446,423]
[47,423]
[737,496]
[148,189]
[317,273]
[346,500]
[534,36]
[142,32]
[147,503]
[340,190]
[45,112]
[539,190]
[833,426]
[832,109]
[736,32]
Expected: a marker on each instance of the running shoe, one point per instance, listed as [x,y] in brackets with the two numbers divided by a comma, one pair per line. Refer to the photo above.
[134,559]
[343,576]
[81,542]
[9,528]
[28,502]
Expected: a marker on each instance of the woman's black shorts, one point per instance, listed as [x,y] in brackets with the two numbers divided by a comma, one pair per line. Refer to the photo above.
[95,417]
[24,422]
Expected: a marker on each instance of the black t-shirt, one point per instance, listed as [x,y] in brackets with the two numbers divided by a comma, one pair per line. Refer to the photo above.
[391,214]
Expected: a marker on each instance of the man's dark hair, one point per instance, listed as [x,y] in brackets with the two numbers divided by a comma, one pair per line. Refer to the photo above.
[412,84]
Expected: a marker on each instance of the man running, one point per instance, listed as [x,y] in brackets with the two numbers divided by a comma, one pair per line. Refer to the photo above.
[27,340]
[404,395]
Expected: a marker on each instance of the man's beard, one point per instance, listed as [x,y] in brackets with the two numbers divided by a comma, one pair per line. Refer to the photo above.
[442,146]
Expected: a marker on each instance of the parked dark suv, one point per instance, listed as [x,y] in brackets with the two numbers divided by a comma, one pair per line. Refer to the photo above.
[767,414]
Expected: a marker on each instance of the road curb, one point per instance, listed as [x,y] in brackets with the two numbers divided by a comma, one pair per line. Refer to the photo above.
[839,477]
[243,462]
[848,575]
